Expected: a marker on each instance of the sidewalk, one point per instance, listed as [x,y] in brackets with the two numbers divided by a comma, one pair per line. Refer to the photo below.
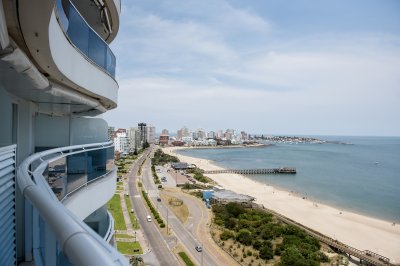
[135,233]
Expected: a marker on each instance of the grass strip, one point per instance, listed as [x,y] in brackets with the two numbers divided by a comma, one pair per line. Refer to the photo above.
[186,259]
[153,210]
[114,206]
[129,248]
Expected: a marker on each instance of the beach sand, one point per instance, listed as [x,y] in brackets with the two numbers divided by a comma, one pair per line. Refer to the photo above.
[358,231]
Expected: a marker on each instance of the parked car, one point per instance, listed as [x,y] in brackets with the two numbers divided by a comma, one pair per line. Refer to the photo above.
[199,248]
[159,199]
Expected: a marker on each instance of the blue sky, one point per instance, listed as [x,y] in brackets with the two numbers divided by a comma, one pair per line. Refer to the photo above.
[272,67]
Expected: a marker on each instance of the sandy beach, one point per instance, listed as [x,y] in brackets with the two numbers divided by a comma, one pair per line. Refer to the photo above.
[359,231]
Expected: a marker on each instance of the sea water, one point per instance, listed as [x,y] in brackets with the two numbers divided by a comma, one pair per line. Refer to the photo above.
[362,175]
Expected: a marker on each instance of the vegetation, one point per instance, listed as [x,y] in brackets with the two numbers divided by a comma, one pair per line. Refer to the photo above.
[122,236]
[153,210]
[145,145]
[140,167]
[155,176]
[186,259]
[161,158]
[198,175]
[114,206]
[177,206]
[134,221]
[129,248]
[262,232]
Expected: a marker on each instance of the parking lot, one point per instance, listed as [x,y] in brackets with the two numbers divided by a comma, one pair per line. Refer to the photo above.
[172,177]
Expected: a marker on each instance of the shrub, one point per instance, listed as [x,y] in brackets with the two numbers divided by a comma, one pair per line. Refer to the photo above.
[234,209]
[292,256]
[257,244]
[244,237]
[186,259]
[318,256]
[226,235]
[230,223]
[266,252]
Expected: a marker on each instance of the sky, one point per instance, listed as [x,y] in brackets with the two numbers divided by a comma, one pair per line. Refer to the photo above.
[263,66]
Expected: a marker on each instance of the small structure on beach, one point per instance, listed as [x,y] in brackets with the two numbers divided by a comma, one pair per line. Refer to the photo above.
[226,196]
[182,166]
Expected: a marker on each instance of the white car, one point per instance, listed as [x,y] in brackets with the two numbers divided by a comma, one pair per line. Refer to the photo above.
[148,218]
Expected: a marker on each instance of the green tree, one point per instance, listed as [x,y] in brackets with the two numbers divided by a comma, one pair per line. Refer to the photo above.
[266,251]
[230,223]
[234,209]
[244,237]
[292,257]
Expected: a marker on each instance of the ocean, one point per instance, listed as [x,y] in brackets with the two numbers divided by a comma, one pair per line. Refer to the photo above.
[362,176]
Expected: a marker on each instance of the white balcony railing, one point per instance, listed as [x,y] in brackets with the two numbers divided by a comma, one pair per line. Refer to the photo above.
[53,235]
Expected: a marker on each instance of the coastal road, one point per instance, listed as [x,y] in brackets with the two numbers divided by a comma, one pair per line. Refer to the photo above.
[186,237]
[156,241]
[198,224]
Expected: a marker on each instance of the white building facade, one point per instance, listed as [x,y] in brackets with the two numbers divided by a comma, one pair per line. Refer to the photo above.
[57,169]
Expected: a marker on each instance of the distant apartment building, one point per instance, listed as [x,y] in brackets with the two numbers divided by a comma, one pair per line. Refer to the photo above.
[230,134]
[121,141]
[133,135]
[220,134]
[111,131]
[211,135]
[187,140]
[244,135]
[150,134]
[164,139]
[143,132]
[165,132]
[183,132]
[201,134]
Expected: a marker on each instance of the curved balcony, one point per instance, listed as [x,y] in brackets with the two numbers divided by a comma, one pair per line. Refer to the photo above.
[78,65]
[84,37]
[53,234]
[109,236]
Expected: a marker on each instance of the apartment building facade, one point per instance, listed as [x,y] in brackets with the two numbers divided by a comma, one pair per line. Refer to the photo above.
[57,72]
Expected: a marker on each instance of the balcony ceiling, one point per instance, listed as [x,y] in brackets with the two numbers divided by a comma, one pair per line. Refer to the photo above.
[21,86]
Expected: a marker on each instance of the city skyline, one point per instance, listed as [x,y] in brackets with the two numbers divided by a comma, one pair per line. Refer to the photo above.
[309,68]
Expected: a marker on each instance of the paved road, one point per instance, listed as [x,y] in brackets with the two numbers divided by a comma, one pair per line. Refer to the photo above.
[159,247]
[197,224]
[186,237]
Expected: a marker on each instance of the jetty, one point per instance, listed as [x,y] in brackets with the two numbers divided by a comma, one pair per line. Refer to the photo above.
[281,170]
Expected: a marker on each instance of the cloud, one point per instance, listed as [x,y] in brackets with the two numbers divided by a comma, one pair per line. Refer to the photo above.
[203,65]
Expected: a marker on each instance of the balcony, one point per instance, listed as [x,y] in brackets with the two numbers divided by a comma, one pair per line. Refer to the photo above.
[53,234]
[84,37]
[68,61]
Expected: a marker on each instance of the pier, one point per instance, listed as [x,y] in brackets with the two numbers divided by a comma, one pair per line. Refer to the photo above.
[282,170]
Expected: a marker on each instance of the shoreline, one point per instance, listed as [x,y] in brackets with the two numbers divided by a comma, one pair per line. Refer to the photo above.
[258,145]
[354,229]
